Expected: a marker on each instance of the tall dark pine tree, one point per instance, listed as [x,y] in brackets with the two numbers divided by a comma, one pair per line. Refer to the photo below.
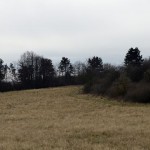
[95,64]
[64,66]
[133,57]
[66,71]
[94,68]
[133,62]
[47,72]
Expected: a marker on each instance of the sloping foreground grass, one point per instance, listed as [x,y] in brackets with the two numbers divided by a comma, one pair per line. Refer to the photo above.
[65,119]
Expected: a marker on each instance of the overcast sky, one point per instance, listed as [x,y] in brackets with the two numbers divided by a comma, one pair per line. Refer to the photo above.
[77,29]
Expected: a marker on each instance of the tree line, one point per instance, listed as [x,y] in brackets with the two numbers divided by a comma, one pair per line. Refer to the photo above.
[34,71]
[130,80]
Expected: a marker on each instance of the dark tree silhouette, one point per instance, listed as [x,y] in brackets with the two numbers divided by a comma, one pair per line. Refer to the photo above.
[66,71]
[6,68]
[95,64]
[35,71]
[64,66]
[133,62]
[47,71]
[79,68]
[12,70]
[24,75]
[71,69]
[80,71]
[26,68]
[133,57]
[2,70]
[94,68]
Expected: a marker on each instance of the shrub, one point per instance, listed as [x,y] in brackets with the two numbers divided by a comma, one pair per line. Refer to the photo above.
[146,64]
[100,84]
[147,75]
[5,86]
[135,73]
[120,87]
[87,87]
[139,93]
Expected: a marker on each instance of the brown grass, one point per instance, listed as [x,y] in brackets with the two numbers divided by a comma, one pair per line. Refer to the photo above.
[65,119]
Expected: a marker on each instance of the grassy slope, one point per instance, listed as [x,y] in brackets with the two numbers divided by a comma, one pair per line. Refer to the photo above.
[64,119]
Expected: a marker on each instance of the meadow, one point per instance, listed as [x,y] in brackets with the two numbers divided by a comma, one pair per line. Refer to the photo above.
[65,119]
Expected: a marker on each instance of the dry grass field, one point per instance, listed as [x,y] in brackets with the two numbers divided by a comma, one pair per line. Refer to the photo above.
[65,119]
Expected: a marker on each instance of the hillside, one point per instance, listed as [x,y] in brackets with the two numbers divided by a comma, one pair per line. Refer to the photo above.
[65,119]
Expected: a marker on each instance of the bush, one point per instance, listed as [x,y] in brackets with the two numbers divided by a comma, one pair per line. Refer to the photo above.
[100,84]
[139,93]
[135,73]
[5,86]
[87,87]
[147,75]
[120,87]
[146,64]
